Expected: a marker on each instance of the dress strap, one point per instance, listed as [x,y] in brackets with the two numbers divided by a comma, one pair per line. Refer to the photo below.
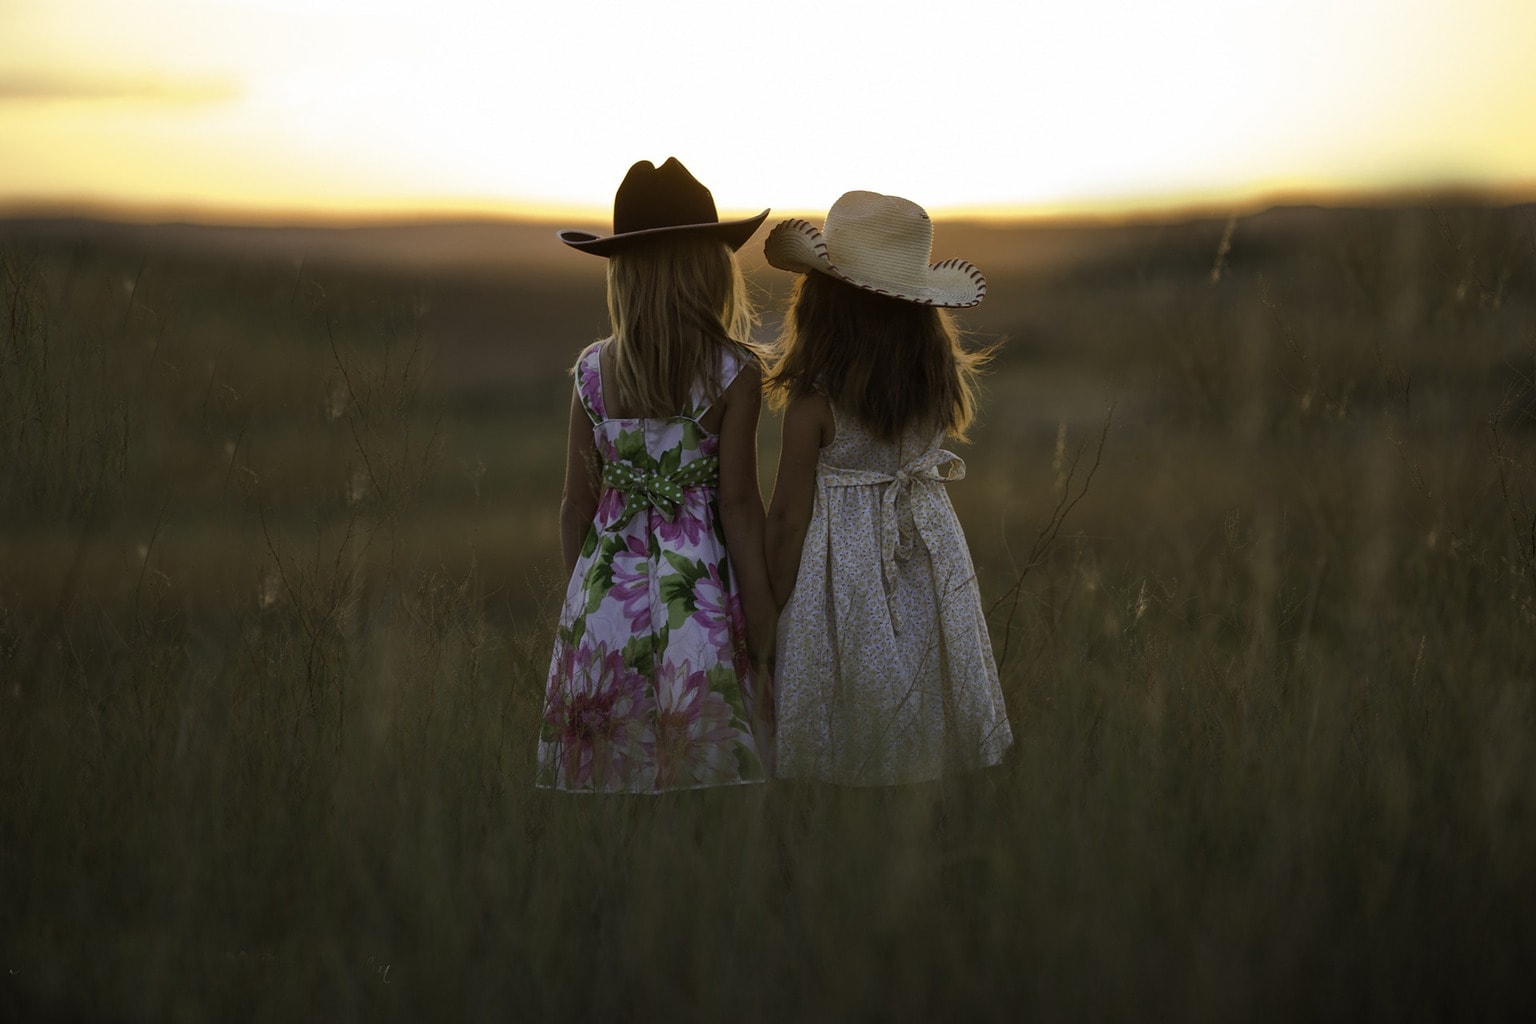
[732,361]
[589,381]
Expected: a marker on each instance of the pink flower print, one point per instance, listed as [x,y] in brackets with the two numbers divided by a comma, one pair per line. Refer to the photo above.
[596,714]
[563,670]
[693,743]
[719,610]
[690,523]
[709,444]
[590,384]
[632,582]
[609,506]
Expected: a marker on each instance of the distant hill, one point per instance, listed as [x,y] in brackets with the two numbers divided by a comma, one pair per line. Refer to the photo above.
[453,245]
[1001,249]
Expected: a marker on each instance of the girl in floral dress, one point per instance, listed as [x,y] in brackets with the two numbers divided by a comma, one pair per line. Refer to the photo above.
[653,683]
[884,668]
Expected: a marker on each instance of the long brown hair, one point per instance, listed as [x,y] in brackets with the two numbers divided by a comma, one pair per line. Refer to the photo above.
[673,302]
[892,364]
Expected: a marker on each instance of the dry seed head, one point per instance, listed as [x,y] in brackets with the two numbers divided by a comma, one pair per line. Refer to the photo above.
[1059,457]
[268,590]
[1222,249]
[336,402]
[357,485]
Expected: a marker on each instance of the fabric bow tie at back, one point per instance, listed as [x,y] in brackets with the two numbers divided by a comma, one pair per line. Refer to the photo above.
[648,486]
[895,544]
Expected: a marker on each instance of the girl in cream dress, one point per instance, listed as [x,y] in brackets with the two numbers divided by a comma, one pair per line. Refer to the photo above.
[885,671]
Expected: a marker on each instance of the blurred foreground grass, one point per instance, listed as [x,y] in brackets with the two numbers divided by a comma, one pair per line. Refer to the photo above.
[277,559]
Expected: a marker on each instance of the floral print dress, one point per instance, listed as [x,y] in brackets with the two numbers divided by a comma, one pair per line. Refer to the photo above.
[650,686]
[885,672]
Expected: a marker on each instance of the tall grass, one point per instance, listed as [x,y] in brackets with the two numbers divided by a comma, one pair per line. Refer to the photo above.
[266,752]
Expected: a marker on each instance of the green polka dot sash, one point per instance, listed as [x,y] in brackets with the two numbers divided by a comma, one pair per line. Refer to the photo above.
[648,486]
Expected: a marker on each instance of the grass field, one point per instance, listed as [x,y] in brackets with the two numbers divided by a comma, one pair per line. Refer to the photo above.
[1253,503]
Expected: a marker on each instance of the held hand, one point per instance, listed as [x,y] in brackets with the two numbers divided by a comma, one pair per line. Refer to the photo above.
[762,625]
[763,657]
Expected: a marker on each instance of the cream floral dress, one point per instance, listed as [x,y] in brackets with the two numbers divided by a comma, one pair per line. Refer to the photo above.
[885,669]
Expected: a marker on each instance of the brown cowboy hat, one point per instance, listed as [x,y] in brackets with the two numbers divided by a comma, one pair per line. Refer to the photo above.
[664,200]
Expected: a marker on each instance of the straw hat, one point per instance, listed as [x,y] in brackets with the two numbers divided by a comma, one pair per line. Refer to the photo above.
[878,243]
[664,200]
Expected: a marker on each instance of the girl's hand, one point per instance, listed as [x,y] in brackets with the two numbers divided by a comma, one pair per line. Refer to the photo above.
[762,630]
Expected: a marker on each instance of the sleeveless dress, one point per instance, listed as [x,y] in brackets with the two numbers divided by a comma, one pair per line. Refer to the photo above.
[650,685]
[885,671]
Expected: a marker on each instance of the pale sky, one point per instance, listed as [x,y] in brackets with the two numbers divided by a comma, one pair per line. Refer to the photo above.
[500,106]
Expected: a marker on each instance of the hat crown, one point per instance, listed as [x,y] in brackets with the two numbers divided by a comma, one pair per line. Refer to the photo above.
[880,238]
[878,243]
[652,197]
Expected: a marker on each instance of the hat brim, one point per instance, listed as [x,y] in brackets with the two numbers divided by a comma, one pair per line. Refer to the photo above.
[733,233]
[799,247]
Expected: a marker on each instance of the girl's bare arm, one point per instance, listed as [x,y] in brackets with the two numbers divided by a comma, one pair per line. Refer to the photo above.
[808,427]
[578,501]
[741,507]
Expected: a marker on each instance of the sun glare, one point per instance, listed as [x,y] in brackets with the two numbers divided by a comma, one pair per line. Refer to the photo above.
[481,106]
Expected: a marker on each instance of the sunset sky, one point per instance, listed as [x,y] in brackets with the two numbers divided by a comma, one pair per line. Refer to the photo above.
[306,107]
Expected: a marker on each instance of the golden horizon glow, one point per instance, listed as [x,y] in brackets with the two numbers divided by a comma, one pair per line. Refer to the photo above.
[264,109]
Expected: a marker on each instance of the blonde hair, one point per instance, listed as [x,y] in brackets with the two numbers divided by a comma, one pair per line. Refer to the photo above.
[892,364]
[673,302]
